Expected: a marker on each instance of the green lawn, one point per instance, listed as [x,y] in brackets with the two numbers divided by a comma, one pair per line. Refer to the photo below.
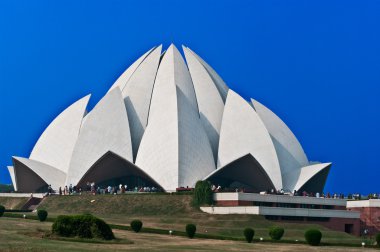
[30,235]
[13,203]
[173,212]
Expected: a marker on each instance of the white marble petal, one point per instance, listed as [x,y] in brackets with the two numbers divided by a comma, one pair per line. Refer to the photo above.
[124,77]
[105,129]
[137,95]
[47,173]
[308,172]
[220,84]
[242,133]
[210,102]
[55,146]
[174,150]
[281,132]
[11,171]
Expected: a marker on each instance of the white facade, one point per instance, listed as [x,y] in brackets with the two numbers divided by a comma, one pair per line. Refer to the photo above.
[106,128]
[170,124]
[175,150]
[137,94]
[29,171]
[210,102]
[243,133]
[63,130]
[11,171]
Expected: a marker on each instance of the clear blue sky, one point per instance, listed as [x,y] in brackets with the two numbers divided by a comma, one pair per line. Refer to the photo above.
[314,63]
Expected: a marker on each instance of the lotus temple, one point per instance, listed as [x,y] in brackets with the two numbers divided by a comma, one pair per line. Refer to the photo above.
[169,121]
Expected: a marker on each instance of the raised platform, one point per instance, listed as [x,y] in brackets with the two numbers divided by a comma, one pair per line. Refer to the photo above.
[23,195]
[329,212]
[281,211]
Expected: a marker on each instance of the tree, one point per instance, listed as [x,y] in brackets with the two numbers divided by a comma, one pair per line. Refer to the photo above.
[202,193]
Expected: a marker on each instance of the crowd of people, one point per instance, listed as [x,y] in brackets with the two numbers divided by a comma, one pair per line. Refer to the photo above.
[328,195]
[93,189]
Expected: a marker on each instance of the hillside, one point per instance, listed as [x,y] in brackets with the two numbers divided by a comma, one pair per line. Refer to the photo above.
[12,203]
[174,212]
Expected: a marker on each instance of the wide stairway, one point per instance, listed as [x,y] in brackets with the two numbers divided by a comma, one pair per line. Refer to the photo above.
[31,204]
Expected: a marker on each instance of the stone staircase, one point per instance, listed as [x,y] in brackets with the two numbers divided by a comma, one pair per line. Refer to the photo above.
[32,204]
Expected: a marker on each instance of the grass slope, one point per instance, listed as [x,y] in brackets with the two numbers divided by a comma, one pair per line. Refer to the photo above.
[13,203]
[173,212]
[28,235]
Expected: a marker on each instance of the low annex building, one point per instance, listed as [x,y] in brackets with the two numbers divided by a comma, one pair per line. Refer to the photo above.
[169,123]
[332,213]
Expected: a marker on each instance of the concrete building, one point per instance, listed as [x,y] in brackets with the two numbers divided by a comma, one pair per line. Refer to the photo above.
[369,214]
[329,212]
[168,123]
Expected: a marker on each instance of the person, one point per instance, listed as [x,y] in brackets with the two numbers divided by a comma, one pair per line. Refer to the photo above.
[109,189]
[92,187]
[71,189]
[49,189]
[126,187]
[213,187]
[66,190]
[60,190]
[317,195]
[218,188]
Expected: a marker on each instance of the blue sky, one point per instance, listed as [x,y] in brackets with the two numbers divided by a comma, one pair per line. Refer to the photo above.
[314,63]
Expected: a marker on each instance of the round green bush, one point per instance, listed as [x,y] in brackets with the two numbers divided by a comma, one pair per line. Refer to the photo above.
[249,233]
[83,226]
[378,239]
[313,237]
[190,230]
[2,210]
[136,225]
[42,214]
[276,233]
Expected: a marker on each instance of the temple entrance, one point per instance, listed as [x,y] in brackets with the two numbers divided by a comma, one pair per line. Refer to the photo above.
[112,170]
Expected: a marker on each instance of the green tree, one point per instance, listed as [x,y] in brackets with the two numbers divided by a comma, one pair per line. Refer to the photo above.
[202,193]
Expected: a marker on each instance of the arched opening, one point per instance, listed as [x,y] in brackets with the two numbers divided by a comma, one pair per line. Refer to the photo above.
[244,172]
[317,182]
[112,170]
[28,181]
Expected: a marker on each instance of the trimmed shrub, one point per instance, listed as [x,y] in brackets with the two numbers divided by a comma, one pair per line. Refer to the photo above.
[42,214]
[313,237]
[2,210]
[202,193]
[378,239]
[83,226]
[249,233]
[136,225]
[276,233]
[190,230]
